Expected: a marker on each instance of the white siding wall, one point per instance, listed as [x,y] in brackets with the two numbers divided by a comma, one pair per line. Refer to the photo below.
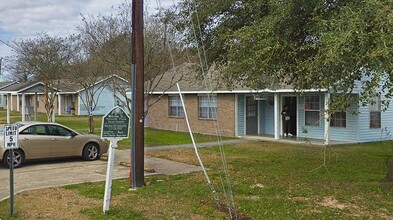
[262,120]
[367,134]
[105,102]
[241,115]
[316,132]
[350,133]
[269,117]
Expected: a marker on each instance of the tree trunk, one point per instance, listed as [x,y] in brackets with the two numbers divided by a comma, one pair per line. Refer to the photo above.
[389,174]
[91,124]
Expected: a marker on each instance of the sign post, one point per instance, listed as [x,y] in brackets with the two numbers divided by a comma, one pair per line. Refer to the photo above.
[115,127]
[91,110]
[11,142]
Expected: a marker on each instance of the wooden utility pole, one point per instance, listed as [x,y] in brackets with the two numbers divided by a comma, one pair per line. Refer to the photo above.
[1,62]
[137,148]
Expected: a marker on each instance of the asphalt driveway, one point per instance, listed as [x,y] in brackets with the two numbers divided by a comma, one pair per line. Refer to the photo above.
[44,174]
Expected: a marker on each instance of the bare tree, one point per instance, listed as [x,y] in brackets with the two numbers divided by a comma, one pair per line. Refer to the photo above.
[45,59]
[18,71]
[89,72]
[111,35]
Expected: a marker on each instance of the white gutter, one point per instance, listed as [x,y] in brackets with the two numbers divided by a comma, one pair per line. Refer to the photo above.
[240,91]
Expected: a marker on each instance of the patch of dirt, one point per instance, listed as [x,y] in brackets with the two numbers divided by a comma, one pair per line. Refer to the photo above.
[384,215]
[233,213]
[263,146]
[299,199]
[331,202]
[250,198]
[52,203]
[258,185]
[183,156]
[355,210]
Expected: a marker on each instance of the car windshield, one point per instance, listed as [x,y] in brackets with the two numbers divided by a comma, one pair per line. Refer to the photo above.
[19,124]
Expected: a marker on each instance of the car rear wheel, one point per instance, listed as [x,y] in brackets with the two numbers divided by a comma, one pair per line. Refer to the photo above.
[91,152]
[19,158]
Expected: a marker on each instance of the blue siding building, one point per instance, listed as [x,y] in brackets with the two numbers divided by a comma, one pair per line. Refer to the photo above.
[70,98]
[307,117]
[259,113]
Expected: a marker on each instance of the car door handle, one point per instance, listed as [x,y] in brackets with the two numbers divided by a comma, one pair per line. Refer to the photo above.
[25,139]
[54,139]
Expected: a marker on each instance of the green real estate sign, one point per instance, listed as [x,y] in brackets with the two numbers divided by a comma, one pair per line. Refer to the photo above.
[115,124]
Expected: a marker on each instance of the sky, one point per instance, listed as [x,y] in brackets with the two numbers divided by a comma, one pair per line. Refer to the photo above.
[21,19]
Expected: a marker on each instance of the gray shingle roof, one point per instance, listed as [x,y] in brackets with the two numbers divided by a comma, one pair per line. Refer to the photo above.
[19,86]
[193,82]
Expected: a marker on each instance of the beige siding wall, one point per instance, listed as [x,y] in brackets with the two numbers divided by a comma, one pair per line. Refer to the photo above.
[158,116]
[14,102]
[41,103]
[63,105]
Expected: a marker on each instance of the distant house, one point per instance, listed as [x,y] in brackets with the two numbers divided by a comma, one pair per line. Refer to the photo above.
[246,112]
[29,89]
[4,85]
[70,97]
[73,96]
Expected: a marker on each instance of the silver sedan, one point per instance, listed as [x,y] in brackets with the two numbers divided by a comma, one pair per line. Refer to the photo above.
[39,140]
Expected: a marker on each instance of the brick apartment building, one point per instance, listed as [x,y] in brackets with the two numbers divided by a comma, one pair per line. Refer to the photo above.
[248,112]
[167,113]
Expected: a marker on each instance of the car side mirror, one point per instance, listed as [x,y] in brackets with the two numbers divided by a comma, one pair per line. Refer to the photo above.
[73,134]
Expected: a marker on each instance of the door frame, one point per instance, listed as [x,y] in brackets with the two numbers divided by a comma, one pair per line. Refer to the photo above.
[245,114]
[297,112]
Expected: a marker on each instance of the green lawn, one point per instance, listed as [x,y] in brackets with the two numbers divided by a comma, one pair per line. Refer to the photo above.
[269,181]
[153,137]
[156,137]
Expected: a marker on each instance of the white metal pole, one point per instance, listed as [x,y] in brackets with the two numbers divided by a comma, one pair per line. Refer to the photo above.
[109,174]
[23,107]
[35,106]
[8,108]
[12,103]
[59,110]
[326,117]
[17,103]
[196,149]
[276,116]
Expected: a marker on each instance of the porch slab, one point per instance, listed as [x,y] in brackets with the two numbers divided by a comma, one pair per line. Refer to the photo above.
[296,140]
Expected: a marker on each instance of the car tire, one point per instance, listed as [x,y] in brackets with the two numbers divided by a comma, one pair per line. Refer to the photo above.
[91,152]
[19,158]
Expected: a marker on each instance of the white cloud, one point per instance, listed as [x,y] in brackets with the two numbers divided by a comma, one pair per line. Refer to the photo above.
[24,19]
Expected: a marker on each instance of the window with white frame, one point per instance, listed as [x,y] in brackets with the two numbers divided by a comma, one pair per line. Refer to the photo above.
[339,119]
[208,106]
[312,108]
[375,112]
[175,106]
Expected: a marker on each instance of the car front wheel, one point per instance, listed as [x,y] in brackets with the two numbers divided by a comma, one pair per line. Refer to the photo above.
[91,152]
[19,158]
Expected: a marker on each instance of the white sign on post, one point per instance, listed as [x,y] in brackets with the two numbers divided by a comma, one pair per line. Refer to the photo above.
[91,110]
[11,137]
[115,127]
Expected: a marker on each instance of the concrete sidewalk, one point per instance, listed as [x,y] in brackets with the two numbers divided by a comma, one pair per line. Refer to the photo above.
[45,174]
[206,144]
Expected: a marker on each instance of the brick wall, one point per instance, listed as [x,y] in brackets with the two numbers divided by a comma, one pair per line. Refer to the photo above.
[158,116]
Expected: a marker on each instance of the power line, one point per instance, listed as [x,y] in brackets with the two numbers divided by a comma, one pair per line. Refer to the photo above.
[9,45]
